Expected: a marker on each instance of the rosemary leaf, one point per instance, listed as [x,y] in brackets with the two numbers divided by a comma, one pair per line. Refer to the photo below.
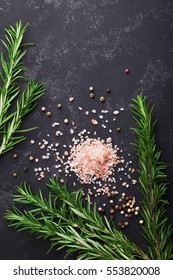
[153,181]
[11,73]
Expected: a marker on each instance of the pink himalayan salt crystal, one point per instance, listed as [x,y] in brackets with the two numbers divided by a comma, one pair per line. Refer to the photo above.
[93,159]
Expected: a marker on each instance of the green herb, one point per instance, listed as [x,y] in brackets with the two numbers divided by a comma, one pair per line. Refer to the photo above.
[80,228]
[12,67]
[153,181]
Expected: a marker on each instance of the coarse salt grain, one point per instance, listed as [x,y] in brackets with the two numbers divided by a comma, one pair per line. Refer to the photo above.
[71,98]
[92,159]
[116,112]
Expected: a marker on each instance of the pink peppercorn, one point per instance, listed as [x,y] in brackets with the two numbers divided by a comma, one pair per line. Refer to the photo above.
[126,71]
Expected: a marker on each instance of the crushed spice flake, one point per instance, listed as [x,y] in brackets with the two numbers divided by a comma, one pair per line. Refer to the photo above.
[93,159]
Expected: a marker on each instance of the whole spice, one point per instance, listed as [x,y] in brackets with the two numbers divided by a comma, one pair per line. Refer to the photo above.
[59,105]
[102,99]
[43,109]
[15,156]
[91,89]
[31,158]
[14,174]
[92,95]
[49,114]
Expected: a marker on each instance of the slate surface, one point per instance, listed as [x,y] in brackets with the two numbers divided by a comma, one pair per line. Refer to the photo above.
[79,44]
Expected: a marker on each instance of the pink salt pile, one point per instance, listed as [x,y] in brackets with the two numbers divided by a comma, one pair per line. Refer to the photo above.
[93,159]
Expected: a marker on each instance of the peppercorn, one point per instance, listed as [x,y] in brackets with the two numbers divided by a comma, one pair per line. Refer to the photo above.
[31,158]
[141,222]
[102,99]
[118,129]
[49,114]
[59,105]
[120,208]
[133,209]
[108,90]
[109,194]
[124,205]
[122,212]
[126,224]
[91,89]
[126,198]
[123,194]
[92,95]
[43,109]
[116,207]
[111,201]
[122,226]
[15,156]
[100,209]
[129,216]
[112,211]
[137,208]
[25,168]
[14,174]
[127,204]
[136,213]
[129,210]
[66,121]
[119,224]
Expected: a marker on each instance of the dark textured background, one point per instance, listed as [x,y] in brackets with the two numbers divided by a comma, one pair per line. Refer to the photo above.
[83,43]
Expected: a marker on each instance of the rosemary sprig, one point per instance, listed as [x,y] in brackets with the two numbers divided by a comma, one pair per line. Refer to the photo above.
[80,228]
[10,75]
[73,226]
[153,181]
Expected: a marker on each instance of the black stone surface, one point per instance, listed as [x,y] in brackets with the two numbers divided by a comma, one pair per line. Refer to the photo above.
[79,44]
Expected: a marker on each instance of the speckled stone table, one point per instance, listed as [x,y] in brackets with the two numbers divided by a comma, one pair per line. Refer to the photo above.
[80,43]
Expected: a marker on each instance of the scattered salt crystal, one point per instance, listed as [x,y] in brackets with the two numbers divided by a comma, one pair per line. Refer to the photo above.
[45,142]
[80,108]
[116,112]
[42,146]
[87,113]
[121,109]
[94,111]
[71,98]
[134,182]
[94,122]
[32,141]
